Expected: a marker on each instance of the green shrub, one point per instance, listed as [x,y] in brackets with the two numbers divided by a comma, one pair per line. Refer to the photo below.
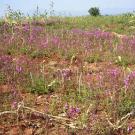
[40,85]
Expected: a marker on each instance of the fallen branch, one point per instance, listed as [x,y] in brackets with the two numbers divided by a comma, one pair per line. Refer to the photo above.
[58,119]
[47,115]
[8,112]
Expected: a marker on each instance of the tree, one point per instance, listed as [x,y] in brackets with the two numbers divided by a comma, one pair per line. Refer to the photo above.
[94,11]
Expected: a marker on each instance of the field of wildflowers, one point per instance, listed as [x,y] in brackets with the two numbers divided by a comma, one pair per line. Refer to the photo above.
[67,76]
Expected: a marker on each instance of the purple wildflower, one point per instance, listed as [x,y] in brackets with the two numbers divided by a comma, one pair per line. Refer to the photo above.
[5,59]
[129,78]
[77,31]
[56,40]
[44,43]
[114,72]
[72,111]
[66,106]
[18,69]
[66,73]
[126,82]
[77,110]
[129,129]
[14,105]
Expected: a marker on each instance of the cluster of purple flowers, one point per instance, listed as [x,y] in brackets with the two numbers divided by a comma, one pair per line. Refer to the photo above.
[5,62]
[5,59]
[97,33]
[55,40]
[14,105]
[127,45]
[114,72]
[130,128]
[66,73]
[18,69]
[71,111]
[129,78]
[77,31]
[132,43]
[44,43]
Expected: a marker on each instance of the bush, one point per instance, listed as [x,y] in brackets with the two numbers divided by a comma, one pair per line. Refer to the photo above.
[94,11]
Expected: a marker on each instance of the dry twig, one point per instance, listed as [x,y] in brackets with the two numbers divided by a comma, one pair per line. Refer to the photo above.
[120,123]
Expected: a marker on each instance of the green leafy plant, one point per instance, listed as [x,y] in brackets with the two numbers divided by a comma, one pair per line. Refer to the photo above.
[40,85]
[25,50]
[93,58]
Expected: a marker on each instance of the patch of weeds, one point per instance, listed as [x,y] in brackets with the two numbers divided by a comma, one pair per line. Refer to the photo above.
[11,50]
[83,119]
[52,107]
[126,105]
[71,53]
[39,54]
[83,94]
[25,50]
[2,78]
[71,131]
[41,86]
[80,96]
[122,61]
[55,107]
[100,127]
[94,58]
